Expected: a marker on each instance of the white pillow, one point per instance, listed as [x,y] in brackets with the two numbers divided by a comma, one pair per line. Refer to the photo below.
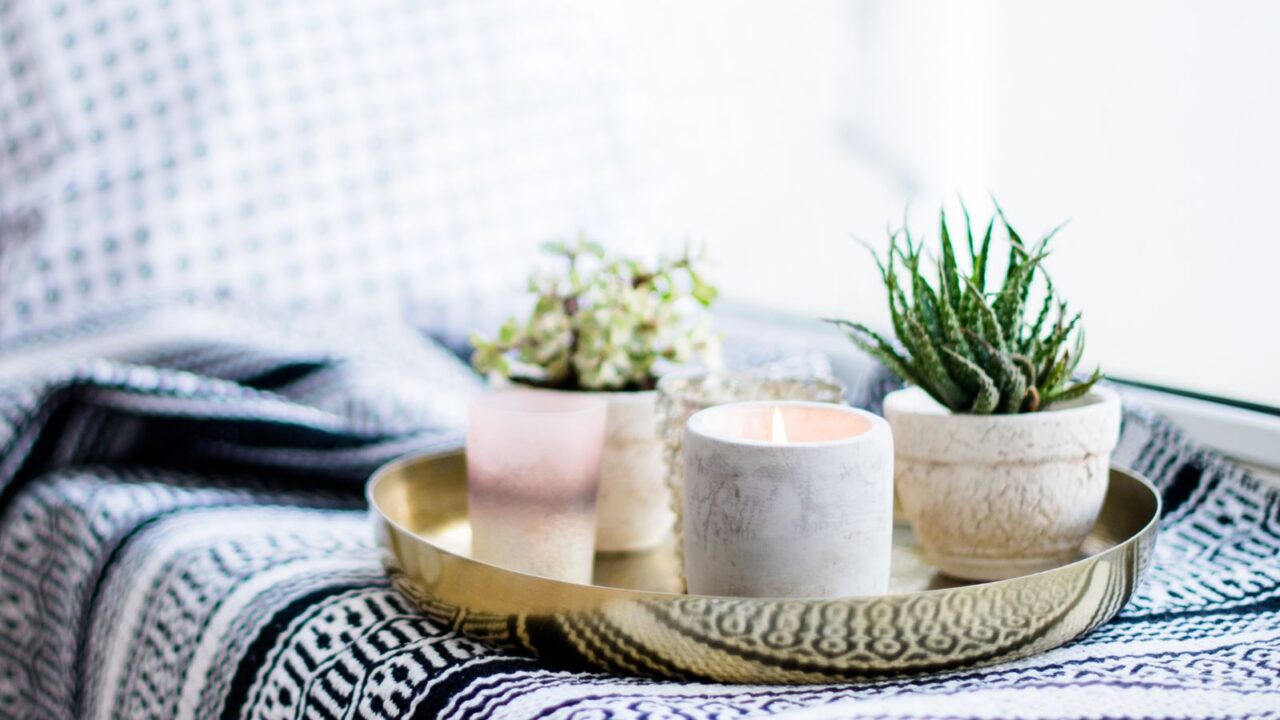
[388,157]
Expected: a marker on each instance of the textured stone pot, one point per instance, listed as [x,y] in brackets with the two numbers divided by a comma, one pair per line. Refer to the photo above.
[997,496]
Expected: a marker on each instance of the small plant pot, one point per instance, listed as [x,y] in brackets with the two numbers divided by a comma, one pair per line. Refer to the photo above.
[633,507]
[997,496]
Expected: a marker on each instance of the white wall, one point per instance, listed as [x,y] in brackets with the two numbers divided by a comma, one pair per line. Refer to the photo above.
[774,132]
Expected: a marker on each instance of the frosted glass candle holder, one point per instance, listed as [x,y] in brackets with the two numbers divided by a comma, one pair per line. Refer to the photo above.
[533,471]
[787,499]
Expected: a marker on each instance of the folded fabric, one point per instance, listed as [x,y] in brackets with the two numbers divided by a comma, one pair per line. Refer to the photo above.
[183,535]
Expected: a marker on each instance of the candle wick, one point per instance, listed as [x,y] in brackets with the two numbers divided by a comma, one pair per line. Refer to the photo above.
[779,426]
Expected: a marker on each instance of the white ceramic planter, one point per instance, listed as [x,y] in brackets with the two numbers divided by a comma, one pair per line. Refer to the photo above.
[788,519]
[633,509]
[997,496]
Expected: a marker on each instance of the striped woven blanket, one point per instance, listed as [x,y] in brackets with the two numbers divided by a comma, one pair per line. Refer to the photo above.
[182,535]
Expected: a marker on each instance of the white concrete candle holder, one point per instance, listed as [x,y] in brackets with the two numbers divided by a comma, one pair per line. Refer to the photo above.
[787,499]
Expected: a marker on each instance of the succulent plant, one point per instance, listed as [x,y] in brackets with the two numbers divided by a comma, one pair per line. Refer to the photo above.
[604,324]
[977,350]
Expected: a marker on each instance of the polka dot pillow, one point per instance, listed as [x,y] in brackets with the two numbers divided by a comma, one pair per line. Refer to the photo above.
[377,156]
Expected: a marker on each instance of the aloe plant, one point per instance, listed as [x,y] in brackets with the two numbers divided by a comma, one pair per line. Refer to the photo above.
[977,349]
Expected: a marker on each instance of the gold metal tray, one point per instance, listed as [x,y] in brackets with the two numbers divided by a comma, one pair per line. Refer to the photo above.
[630,622]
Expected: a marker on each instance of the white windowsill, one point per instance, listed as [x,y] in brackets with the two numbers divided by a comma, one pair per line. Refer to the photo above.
[1253,438]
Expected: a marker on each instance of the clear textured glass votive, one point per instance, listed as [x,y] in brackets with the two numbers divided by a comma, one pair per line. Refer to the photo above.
[533,470]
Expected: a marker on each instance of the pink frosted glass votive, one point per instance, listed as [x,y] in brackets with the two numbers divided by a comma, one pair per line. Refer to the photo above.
[533,470]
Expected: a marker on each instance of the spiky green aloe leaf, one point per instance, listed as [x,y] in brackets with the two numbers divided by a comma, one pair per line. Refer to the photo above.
[1003,370]
[1033,333]
[948,271]
[1056,376]
[898,307]
[876,346]
[977,277]
[986,321]
[932,371]
[1077,352]
[925,301]
[1012,394]
[1024,365]
[968,227]
[1077,390]
[984,255]
[1010,303]
[987,395]
[953,333]
[1052,344]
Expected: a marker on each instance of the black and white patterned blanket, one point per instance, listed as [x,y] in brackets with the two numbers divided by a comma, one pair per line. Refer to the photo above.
[183,536]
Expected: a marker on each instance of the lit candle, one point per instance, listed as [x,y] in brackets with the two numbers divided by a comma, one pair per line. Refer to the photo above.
[787,499]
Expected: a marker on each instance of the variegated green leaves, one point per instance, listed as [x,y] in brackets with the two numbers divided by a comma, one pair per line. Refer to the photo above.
[977,350]
[603,324]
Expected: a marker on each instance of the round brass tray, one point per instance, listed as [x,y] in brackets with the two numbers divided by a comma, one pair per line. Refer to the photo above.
[629,621]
